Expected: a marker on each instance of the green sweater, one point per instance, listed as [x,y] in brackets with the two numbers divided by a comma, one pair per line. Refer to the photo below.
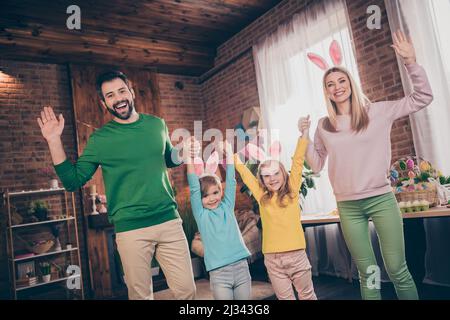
[134,158]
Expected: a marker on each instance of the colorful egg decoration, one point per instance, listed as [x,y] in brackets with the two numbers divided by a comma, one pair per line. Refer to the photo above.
[409,164]
[424,166]
[402,165]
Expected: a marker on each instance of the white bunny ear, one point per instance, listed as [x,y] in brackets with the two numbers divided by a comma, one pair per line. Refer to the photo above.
[212,163]
[198,166]
[275,149]
[255,152]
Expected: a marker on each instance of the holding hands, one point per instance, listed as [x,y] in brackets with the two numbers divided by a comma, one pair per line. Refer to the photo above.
[303,125]
[191,148]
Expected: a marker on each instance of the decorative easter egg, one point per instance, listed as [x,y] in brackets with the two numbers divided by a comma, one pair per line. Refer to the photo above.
[411,188]
[402,165]
[411,174]
[399,189]
[394,174]
[424,166]
[409,164]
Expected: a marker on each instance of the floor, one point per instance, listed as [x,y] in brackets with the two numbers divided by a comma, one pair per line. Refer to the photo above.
[326,287]
[332,288]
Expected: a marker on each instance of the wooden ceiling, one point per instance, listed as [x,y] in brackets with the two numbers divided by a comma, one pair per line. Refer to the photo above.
[172,36]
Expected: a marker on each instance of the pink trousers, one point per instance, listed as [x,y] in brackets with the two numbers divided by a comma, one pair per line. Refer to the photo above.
[290,268]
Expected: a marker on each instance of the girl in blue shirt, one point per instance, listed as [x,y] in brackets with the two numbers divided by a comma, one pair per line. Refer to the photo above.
[225,251]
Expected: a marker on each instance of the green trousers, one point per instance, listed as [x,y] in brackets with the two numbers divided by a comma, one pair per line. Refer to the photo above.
[386,216]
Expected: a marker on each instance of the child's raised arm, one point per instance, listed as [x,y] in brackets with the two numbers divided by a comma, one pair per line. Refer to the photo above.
[295,178]
[230,180]
[194,188]
[248,178]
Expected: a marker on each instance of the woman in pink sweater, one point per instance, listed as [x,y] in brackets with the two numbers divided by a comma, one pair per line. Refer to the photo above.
[356,139]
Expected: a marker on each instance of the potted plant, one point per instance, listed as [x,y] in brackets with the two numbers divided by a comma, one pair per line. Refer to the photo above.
[49,173]
[45,268]
[39,209]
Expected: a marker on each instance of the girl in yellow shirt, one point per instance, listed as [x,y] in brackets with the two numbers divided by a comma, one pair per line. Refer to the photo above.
[277,194]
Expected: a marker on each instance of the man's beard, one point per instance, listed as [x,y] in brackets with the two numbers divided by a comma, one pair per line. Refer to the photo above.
[127,114]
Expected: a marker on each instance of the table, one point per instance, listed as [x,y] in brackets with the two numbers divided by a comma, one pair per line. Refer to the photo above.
[414,235]
[323,219]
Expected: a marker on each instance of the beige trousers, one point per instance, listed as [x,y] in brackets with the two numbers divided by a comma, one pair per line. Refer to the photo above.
[168,242]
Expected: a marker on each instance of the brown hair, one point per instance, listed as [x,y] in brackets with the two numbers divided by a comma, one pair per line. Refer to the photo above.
[360,119]
[283,192]
[208,181]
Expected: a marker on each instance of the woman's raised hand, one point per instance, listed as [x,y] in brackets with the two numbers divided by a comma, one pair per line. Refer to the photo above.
[404,47]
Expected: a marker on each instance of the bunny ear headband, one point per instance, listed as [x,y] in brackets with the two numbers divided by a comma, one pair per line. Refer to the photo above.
[335,54]
[209,168]
[259,154]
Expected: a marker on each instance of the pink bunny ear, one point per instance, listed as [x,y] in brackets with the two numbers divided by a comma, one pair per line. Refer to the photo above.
[275,149]
[336,53]
[212,163]
[318,61]
[198,166]
[255,152]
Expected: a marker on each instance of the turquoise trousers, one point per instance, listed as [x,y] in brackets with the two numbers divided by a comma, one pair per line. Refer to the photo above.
[386,216]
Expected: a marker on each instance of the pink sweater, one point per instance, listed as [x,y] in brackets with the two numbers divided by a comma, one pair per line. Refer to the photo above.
[359,163]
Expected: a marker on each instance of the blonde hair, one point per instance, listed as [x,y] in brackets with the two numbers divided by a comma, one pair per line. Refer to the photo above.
[359,116]
[283,192]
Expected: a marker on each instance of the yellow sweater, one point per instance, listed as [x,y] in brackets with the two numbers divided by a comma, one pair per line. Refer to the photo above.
[282,229]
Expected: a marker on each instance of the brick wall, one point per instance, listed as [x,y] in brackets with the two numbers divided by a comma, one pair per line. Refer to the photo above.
[227,93]
[379,70]
[24,88]
[180,108]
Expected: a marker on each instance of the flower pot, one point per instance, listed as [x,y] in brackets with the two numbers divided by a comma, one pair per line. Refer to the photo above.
[53,184]
[46,278]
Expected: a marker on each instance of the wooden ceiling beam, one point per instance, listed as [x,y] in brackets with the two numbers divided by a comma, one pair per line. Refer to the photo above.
[95,18]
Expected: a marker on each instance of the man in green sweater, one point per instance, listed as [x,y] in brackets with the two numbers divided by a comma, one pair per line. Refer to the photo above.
[134,151]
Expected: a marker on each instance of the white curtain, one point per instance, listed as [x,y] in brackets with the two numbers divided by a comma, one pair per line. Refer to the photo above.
[428,23]
[289,87]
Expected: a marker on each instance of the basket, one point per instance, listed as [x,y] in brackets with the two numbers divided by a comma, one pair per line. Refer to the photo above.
[429,195]
[410,180]
[42,247]
[37,248]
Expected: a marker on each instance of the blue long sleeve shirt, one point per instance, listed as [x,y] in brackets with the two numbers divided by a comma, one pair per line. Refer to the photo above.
[221,237]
